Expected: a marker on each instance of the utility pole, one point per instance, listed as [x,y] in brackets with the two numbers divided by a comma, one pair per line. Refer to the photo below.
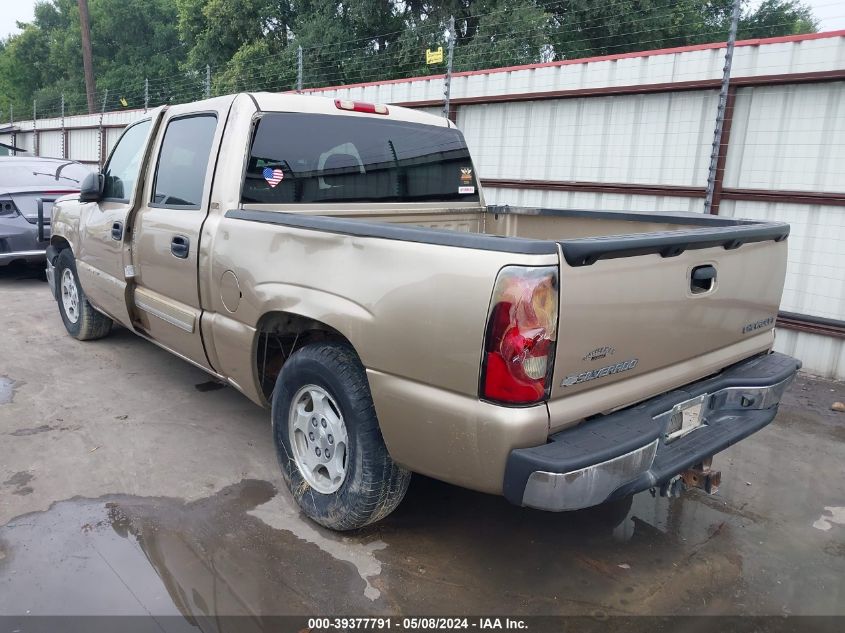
[64,131]
[34,128]
[299,70]
[720,112]
[447,82]
[101,146]
[146,94]
[207,81]
[87,56]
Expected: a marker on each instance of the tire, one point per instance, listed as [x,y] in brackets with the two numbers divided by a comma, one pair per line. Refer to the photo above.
[81,320]
[331,378]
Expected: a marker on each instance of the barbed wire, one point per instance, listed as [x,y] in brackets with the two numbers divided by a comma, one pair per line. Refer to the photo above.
[361,60]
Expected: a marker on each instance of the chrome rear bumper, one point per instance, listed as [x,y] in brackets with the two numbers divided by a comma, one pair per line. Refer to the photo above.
[586,486]
[633,450]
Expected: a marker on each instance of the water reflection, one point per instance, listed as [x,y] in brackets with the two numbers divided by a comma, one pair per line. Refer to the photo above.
[446,550]
[213,557]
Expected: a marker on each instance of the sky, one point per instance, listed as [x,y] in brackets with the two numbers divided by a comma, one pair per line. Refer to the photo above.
[830,13]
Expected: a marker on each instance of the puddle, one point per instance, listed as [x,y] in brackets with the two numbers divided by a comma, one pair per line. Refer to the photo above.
[7,389]
[247,551]
[122,555]
[18,483]
[280,515]
[833,516]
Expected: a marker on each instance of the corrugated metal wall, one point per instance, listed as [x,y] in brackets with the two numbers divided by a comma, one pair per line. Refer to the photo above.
[636,139]
[786,137]
[82,135]
[633,132]
[752,58]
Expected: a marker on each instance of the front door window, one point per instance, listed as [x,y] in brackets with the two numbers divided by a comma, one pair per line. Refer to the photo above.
[123,167]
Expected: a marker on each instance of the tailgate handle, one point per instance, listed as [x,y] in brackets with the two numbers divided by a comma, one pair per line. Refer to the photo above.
[702,279]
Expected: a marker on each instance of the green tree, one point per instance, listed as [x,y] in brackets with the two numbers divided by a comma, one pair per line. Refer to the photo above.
[778,17]
[252,44]
[585,28]
[506,33]
[215,30]
[132,40]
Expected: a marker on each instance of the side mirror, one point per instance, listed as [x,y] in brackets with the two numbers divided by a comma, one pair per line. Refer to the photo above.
[91,189]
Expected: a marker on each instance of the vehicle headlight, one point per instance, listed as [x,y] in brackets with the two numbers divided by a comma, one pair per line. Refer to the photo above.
[7,208]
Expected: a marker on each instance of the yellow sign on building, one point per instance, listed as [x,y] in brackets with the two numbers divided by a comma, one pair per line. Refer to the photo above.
[434,57]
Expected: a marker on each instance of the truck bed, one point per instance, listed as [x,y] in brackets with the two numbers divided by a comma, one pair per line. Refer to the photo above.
[541,224]
[530,224]
[626,292]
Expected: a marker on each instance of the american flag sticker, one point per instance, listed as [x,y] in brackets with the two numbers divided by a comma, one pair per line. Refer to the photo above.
[273,176]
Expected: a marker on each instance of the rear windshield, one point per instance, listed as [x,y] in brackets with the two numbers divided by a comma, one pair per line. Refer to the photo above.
[299,158]
[42,174]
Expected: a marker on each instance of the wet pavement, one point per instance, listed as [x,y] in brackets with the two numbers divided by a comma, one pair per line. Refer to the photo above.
[132,484]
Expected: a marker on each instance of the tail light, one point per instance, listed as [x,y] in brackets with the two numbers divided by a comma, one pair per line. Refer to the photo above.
[360,106]
[521,331]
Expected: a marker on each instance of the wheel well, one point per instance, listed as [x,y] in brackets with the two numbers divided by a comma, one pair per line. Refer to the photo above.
[280,334]
[57,245]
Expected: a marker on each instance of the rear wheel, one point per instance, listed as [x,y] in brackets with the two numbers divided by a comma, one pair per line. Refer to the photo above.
[328,440]
[81,320]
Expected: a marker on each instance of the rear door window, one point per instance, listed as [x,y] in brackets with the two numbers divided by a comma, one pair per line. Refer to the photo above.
[313,158]
[183,162]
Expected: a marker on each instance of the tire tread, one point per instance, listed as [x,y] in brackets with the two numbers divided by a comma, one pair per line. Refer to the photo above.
[382,483]
[91,324]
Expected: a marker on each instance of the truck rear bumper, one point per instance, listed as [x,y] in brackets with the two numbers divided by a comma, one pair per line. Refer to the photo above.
[628,451]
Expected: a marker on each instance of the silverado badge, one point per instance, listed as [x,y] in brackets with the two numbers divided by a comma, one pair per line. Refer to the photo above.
[585,376]
[757,325]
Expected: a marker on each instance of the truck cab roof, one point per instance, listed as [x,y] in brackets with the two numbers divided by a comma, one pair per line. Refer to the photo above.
[292,102]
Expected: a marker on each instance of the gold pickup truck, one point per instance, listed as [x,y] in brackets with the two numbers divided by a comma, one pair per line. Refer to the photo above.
[335,261]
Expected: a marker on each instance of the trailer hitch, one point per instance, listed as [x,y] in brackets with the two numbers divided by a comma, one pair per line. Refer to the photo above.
[699,476]
[703,476]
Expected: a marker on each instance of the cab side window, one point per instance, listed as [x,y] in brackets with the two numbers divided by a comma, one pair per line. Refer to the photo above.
[121,171]
[183,162]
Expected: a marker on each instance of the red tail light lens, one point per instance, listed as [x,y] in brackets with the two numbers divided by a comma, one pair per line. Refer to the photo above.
[360,106]
[521,333]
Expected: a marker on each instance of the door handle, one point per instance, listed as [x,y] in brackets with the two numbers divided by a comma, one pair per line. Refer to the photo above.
[117,231]
[180,246]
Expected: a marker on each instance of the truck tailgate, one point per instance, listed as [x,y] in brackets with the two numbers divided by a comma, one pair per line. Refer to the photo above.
[633,323]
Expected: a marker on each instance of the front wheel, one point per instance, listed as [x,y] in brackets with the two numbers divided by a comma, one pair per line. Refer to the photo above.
[330,448]
[81,320]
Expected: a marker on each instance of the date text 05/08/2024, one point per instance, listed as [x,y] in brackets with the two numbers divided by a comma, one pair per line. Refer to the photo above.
[415,624]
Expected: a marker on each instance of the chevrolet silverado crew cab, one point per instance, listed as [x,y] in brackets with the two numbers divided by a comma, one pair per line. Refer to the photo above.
[335,262]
